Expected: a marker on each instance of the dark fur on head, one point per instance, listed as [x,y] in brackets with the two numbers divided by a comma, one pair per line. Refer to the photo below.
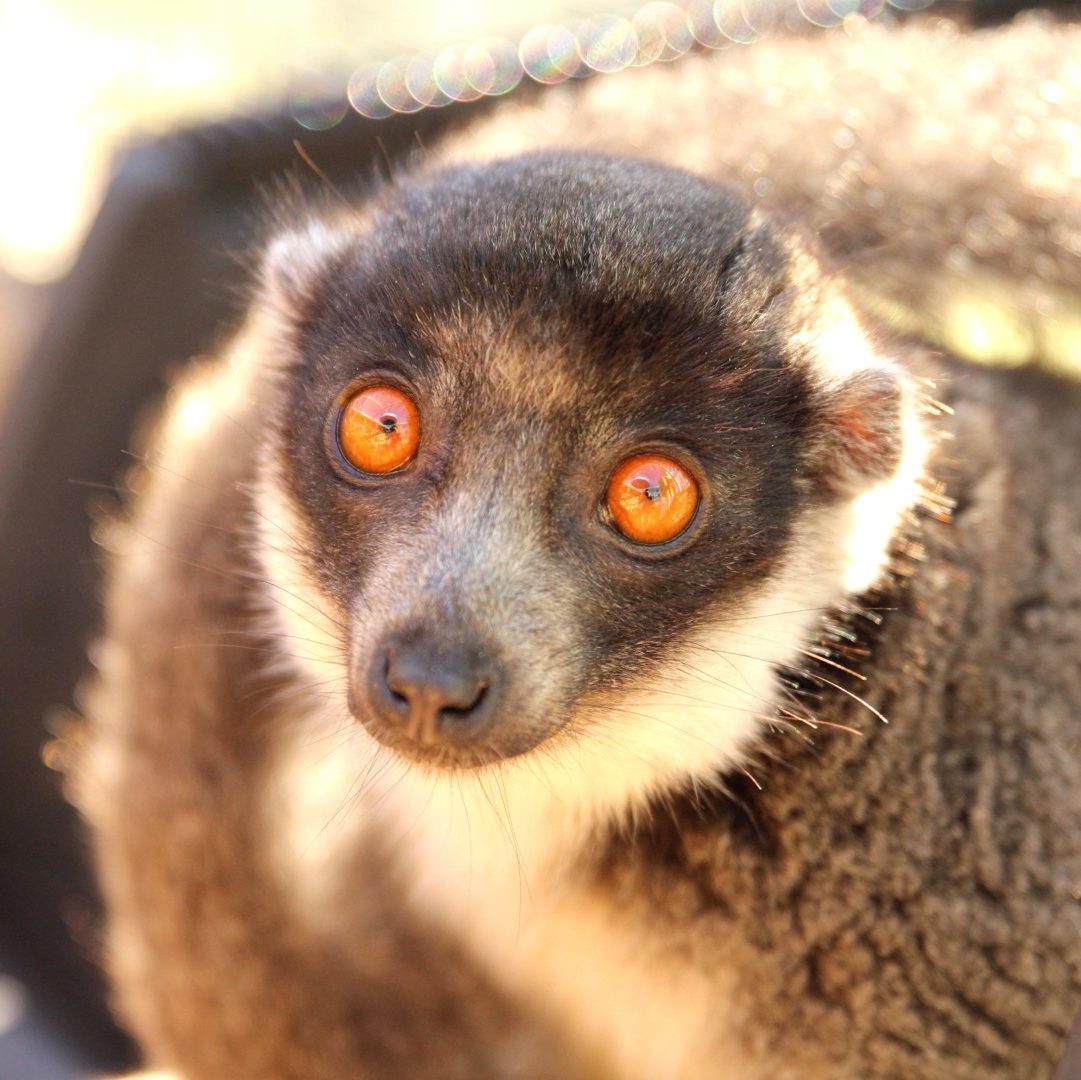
[552,315]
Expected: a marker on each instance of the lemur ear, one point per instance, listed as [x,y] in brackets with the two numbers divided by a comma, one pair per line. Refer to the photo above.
[294,261]
[859,440]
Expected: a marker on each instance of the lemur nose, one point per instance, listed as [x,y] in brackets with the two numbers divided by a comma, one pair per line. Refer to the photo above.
[437,693]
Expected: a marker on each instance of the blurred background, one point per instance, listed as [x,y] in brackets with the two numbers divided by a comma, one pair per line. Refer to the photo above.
[136,137]
[82,80]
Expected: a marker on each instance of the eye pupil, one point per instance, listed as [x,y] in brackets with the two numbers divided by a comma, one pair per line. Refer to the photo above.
[389,424]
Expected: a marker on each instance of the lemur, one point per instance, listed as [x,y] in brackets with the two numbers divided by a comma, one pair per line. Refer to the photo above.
[499,644]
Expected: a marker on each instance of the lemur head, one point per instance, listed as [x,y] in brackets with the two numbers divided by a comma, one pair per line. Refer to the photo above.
[570,452]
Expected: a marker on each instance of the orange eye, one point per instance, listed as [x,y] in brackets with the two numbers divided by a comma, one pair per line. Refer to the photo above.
[379,429]
[652,498]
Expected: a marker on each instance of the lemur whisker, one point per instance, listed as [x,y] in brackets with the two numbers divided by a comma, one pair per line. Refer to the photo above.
[236,573]
[855,697]
[157,466]
[812,654]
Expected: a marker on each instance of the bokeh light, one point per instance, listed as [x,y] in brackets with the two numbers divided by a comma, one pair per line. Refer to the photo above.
[448,71]
[608,44]
[492,67]
[546,52]
[318,101]
[600,44]
[663,32]
[363,93]
[151,71]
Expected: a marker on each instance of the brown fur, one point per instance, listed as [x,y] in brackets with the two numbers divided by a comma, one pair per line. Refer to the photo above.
[904,903]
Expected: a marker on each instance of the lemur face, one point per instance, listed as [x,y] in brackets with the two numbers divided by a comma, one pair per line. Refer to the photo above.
[547,426]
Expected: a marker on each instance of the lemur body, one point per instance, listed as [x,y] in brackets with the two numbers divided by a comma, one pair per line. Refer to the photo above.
[565,865]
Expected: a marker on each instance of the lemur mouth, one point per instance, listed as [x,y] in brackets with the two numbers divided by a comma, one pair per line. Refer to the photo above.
[440,757]
[448,750]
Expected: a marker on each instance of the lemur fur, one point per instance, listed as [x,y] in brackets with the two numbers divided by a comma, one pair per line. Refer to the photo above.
[658,858]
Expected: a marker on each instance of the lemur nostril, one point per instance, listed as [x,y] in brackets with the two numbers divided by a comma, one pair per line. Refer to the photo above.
[391,692]
[461,713]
